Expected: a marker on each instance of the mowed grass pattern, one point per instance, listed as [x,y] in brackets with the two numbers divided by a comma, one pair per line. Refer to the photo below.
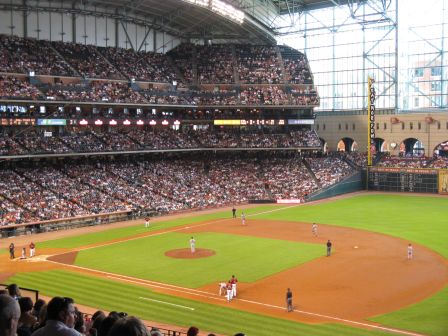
[111,295]
[418,219]
[250,258]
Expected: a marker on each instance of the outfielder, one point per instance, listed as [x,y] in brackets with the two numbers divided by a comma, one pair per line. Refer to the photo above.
[192,245]
[243,218]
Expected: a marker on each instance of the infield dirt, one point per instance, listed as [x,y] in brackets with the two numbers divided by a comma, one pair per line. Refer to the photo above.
[353,283]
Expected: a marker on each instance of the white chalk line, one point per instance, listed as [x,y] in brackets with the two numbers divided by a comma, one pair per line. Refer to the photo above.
[195,292]
[167,303]
[179,229]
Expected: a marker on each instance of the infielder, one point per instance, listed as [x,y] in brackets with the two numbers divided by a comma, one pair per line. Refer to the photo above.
[222,288]
[147,222]
[410,251]
[233,281]
[243,218]
[314,229]
[32,249]
[229,291]
[192,245]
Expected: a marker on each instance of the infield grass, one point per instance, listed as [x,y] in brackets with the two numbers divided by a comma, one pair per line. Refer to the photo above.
[418,219]
[250,257]
[110,295]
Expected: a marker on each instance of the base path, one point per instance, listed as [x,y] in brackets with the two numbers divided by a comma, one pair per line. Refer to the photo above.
[368,273]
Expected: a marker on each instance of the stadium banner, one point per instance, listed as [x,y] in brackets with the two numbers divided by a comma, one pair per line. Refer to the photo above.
[289,201]
[371,96]
[443,181]
[51,122]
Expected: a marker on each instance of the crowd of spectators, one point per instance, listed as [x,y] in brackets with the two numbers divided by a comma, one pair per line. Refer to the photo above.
[141,66]
[216,64]
[21,316]
[121,92]
[160,185]
[19,55]
[258,65]
[439,162]
[184,56]
[296,66]
[16,88]
[403,162]
[87,60]
[76,140]
[210,64]
[329,170]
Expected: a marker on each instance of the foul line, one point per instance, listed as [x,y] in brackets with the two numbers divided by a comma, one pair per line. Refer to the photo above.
[180,229]
[167,303]
[209,295]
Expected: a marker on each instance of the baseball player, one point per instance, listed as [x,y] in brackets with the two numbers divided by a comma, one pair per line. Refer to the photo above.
[23,253]
[32,249]
[229,291]
[329,244]
[222,288]
[289,306]
[410,251]
[192,245]
[314,229]
[146,222]
[233,281]
[243,218]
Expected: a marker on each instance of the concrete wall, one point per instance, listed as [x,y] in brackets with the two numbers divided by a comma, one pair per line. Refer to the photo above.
[430,128]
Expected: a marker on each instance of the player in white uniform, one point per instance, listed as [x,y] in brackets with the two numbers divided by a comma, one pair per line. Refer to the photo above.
[222,288]
[32,249]
[243,218]
[410,251]
[147,222]
[314,229]
[233,281]
[229,292]
[192,245]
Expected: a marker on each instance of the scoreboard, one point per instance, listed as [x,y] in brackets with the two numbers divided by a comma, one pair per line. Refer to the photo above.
[403,179]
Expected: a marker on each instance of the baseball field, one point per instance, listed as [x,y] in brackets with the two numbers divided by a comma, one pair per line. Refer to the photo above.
[367,286]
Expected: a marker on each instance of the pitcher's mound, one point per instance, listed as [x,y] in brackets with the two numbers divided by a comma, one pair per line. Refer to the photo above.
[186,253]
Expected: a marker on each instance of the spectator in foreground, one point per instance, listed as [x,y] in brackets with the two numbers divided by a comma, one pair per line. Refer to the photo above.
[27,319]
[129,326]
[9,315]
[14,291]
[60,318]
[193,331]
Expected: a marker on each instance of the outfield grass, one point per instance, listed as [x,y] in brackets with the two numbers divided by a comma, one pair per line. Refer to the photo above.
[243,255]
[110,295]
[111,234]
[419,219]
[429,316]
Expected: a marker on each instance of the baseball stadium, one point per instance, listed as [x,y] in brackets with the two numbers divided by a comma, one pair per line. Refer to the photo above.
[223,167]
